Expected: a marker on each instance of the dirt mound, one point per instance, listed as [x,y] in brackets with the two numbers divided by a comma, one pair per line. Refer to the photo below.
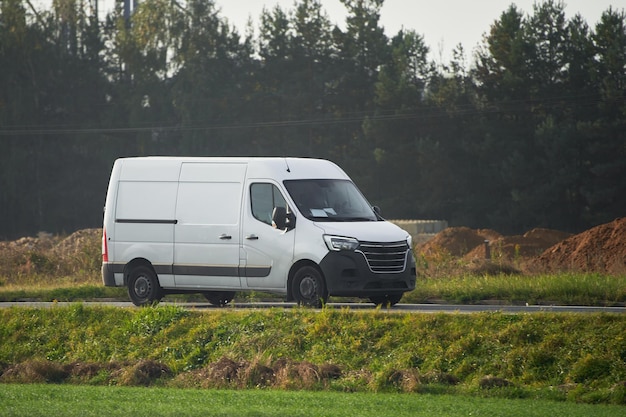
[78,255]
[283,373]
[530,244]
[57,245]
[78,241]
[600,249]
[44,241]
[470,243]
[457,241]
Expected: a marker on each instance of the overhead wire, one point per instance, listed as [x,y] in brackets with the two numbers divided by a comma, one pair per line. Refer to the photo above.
[429,114]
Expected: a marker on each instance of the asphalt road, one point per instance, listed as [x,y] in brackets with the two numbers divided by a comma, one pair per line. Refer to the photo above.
[398,308]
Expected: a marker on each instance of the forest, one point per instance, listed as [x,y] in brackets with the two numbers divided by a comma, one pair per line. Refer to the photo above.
[530,131]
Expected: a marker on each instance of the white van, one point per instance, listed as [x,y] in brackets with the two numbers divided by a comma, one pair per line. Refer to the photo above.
[293,226]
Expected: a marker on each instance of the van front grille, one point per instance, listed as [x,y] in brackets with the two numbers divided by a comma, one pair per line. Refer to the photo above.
[385,257]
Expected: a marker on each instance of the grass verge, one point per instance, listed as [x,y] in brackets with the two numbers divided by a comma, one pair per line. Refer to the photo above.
[81,401]
[555,356]
[587,289]
[584,289]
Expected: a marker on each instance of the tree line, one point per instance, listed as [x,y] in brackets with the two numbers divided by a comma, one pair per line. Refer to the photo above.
[530,133]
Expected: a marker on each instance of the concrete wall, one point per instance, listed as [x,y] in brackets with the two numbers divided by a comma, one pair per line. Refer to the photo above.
[421,230]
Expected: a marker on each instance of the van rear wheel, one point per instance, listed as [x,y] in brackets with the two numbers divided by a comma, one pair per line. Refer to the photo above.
[309,288]
[143,286]
[219,298]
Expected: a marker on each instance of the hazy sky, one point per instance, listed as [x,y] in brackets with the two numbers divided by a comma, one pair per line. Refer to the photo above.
[444,23]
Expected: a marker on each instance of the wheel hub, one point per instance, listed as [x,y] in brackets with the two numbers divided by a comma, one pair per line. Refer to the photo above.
[308,287]
[142,287]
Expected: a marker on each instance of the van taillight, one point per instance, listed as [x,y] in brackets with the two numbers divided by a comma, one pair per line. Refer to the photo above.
[105,249]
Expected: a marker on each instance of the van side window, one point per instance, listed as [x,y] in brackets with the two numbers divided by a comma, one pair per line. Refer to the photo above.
[264,197]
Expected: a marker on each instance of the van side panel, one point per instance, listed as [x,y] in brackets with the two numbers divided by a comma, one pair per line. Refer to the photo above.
[143,201]
[207,234]
[150,169]
[212,172]
[145,218]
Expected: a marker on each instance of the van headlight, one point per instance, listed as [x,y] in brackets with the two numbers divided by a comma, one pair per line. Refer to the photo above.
[337,243]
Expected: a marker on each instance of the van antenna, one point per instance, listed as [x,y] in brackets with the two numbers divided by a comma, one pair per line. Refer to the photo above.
[287,163]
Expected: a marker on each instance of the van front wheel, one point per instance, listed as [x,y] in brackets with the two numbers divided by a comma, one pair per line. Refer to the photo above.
[309,288]
[143,286]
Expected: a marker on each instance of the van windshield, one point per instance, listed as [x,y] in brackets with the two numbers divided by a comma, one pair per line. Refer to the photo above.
[330,200]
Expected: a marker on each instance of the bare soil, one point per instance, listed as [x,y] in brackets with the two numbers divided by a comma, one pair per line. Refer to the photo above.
[600,249]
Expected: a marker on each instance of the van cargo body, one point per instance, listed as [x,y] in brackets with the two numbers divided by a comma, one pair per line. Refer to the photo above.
[293,226]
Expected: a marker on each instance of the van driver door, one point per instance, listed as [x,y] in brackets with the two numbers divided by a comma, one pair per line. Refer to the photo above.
[267,253]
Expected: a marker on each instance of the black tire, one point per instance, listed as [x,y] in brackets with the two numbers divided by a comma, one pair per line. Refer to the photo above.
[308,287]
[219,298]
[387,300]
[143,286]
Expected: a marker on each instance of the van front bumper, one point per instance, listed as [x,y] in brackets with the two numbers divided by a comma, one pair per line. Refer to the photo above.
[348,274]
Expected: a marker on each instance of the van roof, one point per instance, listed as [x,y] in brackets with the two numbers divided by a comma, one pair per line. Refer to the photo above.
[167,168]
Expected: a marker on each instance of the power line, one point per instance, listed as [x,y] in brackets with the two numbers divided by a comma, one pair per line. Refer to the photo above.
[430,113]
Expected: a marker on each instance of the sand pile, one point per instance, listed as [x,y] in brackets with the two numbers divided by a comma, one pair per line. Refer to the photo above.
[600,249]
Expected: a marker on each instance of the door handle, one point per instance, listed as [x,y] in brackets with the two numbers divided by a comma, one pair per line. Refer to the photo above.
[252,237]
[224,236]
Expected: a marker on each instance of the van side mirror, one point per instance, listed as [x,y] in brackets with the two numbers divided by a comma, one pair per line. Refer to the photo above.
[377,210]
[283,219]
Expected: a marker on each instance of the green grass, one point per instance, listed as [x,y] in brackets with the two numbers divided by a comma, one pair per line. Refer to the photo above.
[80,292]
[555,356]
[588,289]
[558,289]
[82,401]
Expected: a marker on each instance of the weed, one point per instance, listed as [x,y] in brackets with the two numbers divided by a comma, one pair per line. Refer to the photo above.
[151,320]
[590,368]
